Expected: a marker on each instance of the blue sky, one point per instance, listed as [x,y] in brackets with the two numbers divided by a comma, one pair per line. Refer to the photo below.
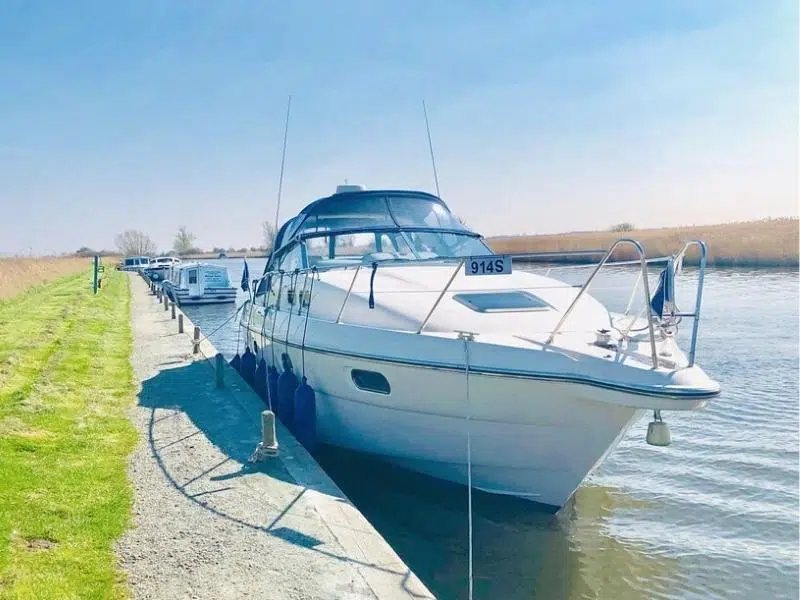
[546,116]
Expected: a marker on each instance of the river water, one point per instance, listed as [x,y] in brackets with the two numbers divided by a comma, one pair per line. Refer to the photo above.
[715,515]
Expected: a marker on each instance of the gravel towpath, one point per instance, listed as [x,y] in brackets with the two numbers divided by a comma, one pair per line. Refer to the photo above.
[210,525]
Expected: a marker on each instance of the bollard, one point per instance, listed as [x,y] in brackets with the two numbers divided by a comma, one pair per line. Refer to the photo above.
[158,295]
[196,339]
[172,305]
[166,303]
[268,446]
[220,370]
[180,323]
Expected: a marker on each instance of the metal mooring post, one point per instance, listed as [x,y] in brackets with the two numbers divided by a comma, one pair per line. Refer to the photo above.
[180,323]
[220,360]
[96,263]
[196,339]
[172,306]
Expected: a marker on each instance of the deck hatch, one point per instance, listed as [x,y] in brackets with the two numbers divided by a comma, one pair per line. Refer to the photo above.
[513,301]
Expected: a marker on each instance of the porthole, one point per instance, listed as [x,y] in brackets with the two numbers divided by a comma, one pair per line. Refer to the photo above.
[370,381]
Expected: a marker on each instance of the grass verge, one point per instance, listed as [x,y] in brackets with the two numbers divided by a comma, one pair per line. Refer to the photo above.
[65,383]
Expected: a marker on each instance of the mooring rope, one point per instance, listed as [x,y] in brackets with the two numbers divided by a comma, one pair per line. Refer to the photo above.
[305,325]
[466,337]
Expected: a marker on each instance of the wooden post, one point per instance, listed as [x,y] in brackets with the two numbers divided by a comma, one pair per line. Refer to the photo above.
[172,305]
[180,323]
[196,339]
[166,303]
[220,360]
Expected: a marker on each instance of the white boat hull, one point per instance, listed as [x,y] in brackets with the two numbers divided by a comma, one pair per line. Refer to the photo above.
[531,439]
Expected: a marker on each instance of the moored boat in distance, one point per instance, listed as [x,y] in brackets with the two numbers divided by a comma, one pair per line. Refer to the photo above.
[134,263]
[198,283]
[415,337]
[159,267]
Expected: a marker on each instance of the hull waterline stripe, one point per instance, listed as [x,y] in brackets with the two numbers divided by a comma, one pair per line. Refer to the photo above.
[682,395]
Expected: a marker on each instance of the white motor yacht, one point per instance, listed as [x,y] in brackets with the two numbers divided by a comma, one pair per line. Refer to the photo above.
[416,337]
[198,283]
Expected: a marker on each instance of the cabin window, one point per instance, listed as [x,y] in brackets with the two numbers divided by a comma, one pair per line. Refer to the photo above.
[192,277]
[502,301]
[291,260]
[370,381]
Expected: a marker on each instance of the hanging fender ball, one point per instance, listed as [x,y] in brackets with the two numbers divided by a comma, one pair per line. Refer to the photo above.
[236,362]
[260,380]
[287,384]
[658,431]
[272,388]
[305,415]
[247,366]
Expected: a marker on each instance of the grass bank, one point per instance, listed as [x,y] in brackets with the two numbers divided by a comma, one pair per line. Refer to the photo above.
[18,274]
[65,384]
[767,243]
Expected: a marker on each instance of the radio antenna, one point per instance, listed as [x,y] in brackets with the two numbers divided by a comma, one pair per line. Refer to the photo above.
[430,147]
[283,163]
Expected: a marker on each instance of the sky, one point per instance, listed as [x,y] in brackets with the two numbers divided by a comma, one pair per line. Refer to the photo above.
[545,117]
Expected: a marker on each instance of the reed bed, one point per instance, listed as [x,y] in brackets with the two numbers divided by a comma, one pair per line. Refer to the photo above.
[765,243]
[18,274]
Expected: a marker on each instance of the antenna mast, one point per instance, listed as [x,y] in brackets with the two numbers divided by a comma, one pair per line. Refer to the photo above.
[430,147]
[283,163]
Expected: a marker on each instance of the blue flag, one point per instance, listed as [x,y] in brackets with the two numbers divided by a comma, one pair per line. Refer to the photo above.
[245,277]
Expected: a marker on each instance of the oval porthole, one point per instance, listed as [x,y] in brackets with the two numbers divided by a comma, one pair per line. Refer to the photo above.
[370,381]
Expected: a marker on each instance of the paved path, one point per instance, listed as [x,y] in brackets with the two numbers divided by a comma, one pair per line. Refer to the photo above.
[209,525]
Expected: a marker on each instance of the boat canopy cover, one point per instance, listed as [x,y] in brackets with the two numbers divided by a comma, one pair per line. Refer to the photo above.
[370,210]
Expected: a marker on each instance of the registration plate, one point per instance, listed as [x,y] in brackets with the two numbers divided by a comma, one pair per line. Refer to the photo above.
[487,265]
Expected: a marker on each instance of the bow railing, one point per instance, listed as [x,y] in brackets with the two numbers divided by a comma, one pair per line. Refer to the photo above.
[673,262]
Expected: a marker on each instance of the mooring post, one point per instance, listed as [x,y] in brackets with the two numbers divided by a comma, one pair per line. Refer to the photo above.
[268,438]
[166,304]
[220,360]
[196,339]
[158,295]
[180,323]
[172,306]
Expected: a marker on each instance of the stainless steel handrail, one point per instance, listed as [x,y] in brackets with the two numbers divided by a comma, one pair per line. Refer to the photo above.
[441,295]
[643,261]
[699,296]
[646,287]
[349,289]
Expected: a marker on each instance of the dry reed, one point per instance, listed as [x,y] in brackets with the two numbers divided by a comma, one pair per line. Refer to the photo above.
[766,243]
[18,274]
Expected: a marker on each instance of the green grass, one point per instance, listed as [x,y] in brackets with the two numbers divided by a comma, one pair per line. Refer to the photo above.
[65,384]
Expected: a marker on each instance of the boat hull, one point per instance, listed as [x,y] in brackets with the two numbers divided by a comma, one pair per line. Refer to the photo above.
[183,297]
[536,440]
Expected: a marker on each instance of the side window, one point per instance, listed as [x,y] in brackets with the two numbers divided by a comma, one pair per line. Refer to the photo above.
[192,276]
[355,244]
[292,260]
[317,249]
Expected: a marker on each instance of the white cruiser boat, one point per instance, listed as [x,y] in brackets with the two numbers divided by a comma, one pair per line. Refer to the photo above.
[198,283]
[159,267]
[414,336]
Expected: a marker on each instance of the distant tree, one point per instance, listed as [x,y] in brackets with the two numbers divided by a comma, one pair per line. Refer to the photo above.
[135,243]
[184,241]
[85,251]
[619,227]
[268,233]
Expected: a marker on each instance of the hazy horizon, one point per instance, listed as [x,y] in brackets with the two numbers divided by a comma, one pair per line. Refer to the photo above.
[546,117]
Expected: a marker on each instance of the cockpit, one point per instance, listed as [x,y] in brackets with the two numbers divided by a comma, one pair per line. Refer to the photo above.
[354,227]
